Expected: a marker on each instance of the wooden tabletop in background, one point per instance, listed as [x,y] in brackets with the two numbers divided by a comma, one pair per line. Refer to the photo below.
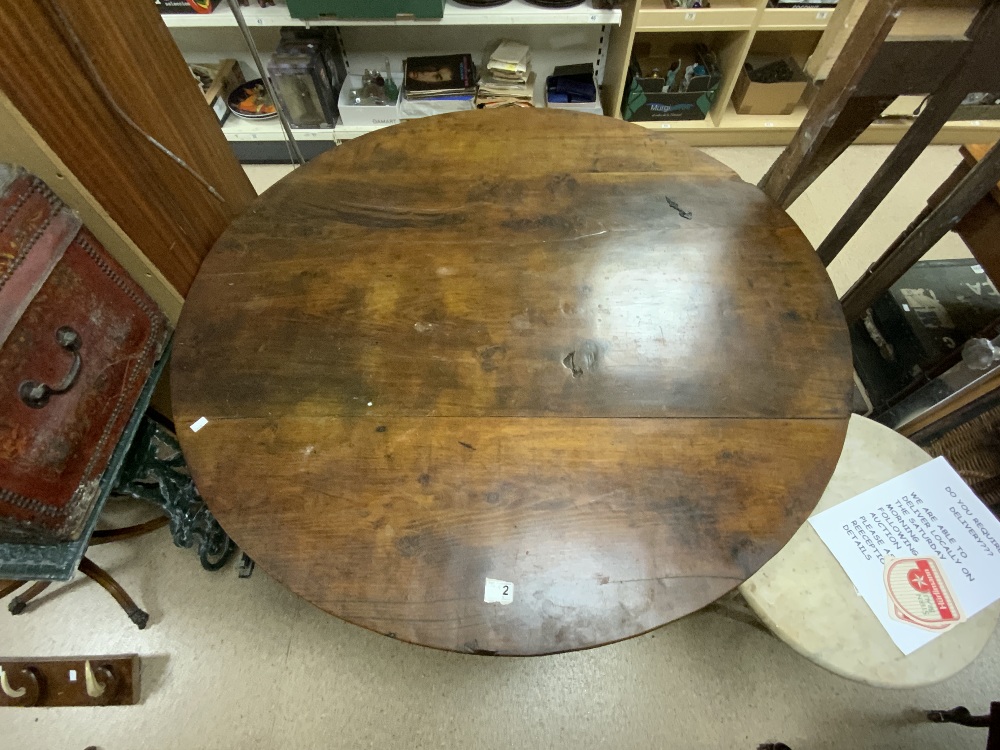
[485,345]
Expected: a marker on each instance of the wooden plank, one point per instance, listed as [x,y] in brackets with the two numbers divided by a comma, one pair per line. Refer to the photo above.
[446,320]
[929,64]
[842,22]
[488,345]
[974,153]
[980,227]
[936,19]
[23,146]
[798,164]
[933,224]
[618,58]
[919,20]
[910,146]
[731,50]
[607,528]
[79,73]
[930,421]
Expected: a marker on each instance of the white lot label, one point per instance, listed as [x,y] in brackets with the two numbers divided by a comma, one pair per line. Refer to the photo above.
[498,592]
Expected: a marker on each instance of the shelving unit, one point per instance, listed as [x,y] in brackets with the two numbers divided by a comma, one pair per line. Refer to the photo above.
[733,28]
[724,15]
[777,130]
[556,37]
[794,19]
[514,13]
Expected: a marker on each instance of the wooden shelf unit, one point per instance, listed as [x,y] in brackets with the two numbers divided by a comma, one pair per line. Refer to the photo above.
[777,130]
[724,15]
[794,32]
[733,28]
[515,12]
[794,19]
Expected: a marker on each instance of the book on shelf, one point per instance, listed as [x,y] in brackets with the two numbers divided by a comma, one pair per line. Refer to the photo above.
[510,59]
[439,76]
[508,80]
[499,92]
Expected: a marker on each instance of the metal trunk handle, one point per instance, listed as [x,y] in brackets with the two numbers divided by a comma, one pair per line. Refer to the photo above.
[35,394]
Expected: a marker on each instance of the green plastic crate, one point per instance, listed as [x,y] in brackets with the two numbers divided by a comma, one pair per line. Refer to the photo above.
[306,9]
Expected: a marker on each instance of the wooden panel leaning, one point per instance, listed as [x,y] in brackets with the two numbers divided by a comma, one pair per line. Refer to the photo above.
[106,88]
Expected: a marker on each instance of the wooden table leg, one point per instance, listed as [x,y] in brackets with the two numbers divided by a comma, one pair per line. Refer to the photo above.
[18,603]
[93,571]
[106,536]
[9,587]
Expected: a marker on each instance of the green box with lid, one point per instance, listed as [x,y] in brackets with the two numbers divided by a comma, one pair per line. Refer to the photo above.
[306,9]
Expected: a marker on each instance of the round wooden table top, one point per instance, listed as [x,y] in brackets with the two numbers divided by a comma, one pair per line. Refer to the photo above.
[512,382]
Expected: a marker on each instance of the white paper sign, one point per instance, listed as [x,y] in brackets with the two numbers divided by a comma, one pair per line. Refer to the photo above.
[926,512]
[498,592]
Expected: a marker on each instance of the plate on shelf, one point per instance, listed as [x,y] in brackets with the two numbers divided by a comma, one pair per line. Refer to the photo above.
[555,3]
[251,101]
[482,3]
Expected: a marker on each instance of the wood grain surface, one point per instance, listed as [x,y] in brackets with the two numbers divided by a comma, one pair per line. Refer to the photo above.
[485,345]
[76,71]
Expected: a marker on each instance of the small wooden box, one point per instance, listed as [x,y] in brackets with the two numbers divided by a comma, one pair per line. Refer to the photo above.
[78,338]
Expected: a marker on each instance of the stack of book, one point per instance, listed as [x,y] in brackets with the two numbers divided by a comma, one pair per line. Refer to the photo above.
[439,77]
[508,80]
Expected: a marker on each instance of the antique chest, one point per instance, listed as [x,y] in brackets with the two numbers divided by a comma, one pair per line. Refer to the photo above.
[78,338]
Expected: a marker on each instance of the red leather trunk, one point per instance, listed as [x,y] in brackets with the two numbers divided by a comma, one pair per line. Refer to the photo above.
[78,338]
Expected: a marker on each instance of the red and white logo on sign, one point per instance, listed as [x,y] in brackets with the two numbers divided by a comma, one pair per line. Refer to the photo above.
[919,593]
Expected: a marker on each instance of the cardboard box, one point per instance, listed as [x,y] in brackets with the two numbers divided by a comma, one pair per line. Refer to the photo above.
[752,98]
[649,74]
[359,114]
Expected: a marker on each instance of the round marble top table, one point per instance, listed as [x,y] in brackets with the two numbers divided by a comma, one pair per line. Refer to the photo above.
[804,596]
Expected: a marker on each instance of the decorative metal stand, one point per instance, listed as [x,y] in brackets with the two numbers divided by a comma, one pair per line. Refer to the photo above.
[155,470]
[147,463]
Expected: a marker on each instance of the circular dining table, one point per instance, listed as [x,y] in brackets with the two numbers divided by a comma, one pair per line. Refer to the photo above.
[512,381]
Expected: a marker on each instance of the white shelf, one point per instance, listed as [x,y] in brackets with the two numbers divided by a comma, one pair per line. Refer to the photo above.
[682,125]
[516,12]
[732,121]
[346,132]
[237,129]
[724,15]
[795,19]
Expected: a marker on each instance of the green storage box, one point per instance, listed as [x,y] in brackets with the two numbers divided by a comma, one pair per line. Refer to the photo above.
[306,9]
